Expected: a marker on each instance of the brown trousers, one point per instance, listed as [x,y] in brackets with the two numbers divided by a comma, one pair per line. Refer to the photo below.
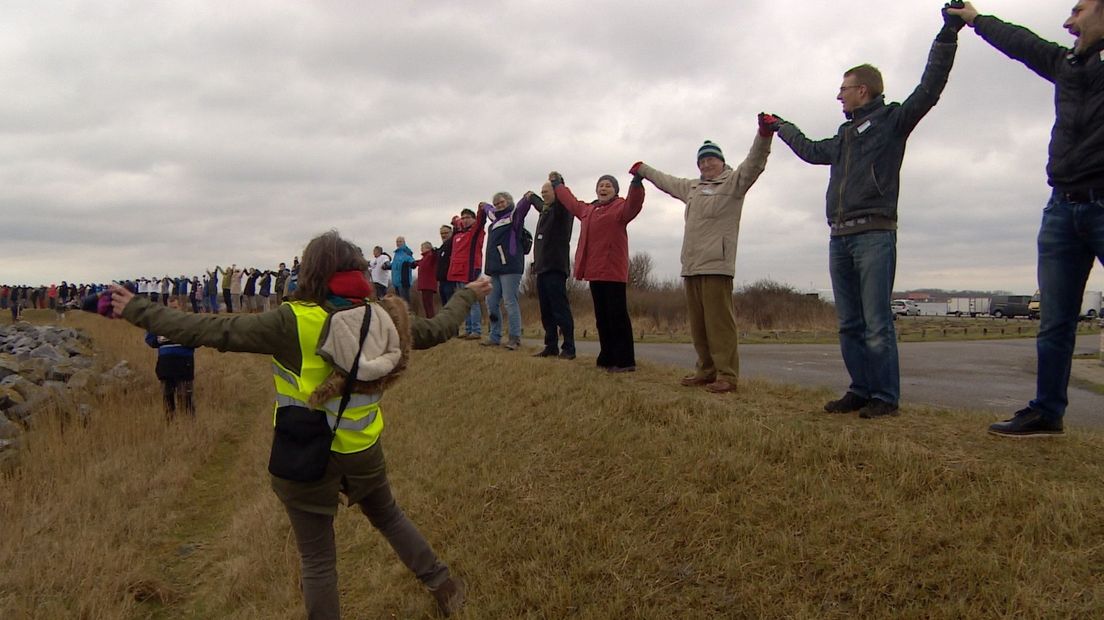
[713,326]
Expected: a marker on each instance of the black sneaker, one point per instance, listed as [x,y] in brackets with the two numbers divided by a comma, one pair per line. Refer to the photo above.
[567,355]
[850,402]
[1028,422]
[878,409]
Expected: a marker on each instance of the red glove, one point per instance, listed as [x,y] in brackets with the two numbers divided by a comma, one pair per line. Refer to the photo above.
[634,170]
[768,124]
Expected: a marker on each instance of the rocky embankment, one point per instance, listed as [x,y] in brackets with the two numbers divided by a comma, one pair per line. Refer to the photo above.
[44,369]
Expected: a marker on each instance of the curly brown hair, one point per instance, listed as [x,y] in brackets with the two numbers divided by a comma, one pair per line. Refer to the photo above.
[324,256]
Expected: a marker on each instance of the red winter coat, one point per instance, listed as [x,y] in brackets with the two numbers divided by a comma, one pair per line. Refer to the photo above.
[427,271]
[467,250]
[603,250]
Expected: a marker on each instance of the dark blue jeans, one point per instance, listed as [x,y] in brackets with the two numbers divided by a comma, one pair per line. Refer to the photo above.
[1070,238]
[446,289]
[555,311]
[862,267]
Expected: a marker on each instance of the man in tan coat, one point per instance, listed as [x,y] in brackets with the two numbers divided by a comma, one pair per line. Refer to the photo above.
[714,203]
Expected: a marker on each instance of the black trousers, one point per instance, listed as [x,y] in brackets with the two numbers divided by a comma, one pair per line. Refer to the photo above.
[611,313]
[228,298]
[555,311]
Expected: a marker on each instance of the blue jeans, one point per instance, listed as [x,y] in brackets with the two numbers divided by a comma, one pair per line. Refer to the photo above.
[1070,237]
[504,288]
[474,323]
[862,267]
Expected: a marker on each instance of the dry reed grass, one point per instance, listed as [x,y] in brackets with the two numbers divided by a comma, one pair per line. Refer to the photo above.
[559,491]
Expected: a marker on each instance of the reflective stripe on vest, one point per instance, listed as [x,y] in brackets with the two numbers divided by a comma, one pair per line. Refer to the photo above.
[363,420]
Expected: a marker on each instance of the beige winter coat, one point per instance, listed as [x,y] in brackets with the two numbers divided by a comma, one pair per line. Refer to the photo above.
[713,209]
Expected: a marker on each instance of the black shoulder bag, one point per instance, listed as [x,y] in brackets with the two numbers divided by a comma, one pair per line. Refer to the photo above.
[302,437]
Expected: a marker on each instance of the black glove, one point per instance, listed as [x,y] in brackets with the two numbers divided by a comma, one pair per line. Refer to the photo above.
[555,178]
[637,179]
[954,22]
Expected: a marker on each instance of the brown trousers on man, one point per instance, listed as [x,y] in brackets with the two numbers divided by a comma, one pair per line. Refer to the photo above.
[713,326]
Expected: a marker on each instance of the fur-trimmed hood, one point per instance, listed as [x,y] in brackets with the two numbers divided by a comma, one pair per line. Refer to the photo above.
[383,358]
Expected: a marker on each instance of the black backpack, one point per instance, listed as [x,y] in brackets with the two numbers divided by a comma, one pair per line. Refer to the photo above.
[526,241]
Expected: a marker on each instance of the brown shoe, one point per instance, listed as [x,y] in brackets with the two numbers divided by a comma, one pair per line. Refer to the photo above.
[720,386]
[695,381]
[450,596]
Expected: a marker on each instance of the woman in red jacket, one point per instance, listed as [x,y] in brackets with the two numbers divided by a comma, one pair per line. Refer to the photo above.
[602,258]
[427,278]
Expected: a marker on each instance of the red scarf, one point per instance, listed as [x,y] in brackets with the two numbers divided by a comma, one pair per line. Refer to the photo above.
[351,285]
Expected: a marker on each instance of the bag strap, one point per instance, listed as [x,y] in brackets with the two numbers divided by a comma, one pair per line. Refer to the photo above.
[347,391]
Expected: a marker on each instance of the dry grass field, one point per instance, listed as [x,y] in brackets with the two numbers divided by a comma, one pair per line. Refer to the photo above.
[557,491]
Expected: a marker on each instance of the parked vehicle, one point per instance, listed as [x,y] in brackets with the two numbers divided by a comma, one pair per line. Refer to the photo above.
[1090,305]
[970,306]
[904,307]
[1009,305]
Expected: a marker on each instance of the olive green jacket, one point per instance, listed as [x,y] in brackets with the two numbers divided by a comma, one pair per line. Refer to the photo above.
[275,332]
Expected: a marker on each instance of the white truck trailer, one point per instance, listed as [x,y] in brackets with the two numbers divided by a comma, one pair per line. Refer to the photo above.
[1090,304]
[967,306]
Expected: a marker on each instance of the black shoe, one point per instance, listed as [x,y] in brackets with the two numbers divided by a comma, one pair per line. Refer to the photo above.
[546,353]
[850,402]
[620,369]
[1028,423]
[878,409]
[567,355]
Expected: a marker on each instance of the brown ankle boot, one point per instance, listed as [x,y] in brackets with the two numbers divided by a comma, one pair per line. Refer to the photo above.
[450,596]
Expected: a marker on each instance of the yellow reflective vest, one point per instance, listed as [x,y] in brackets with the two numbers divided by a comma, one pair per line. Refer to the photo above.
[362,422]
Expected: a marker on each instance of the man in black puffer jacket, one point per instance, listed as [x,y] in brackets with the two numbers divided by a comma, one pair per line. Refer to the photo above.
[1072,233]
[865,158]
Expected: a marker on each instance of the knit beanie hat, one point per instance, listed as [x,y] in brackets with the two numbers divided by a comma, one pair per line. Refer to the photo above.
[710,150]
[613,181]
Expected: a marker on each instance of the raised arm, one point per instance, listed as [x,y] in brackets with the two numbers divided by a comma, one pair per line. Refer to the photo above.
[934,80]
[1041,56]
[521,210]
[634,200]
[564,196]
[755,163]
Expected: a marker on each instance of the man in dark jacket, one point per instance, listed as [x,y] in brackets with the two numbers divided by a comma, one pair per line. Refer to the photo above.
[552,265]
[1072,232]
[444,256]
[865,158]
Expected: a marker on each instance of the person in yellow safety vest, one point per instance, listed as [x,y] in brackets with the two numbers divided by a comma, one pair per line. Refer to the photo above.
[331,275]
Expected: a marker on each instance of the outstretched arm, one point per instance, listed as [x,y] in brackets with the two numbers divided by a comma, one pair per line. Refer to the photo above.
[1038,54]
[821,152]
[673,186]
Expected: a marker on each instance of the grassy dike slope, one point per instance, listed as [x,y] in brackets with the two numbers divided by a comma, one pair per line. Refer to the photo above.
[558,491]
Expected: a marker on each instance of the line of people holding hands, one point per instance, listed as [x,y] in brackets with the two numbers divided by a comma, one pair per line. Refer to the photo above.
[865,157]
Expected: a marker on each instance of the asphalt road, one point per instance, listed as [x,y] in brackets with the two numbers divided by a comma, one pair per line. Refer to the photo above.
[990,375]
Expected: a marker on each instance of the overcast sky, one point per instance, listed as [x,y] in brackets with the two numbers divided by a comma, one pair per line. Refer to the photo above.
[159,138]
